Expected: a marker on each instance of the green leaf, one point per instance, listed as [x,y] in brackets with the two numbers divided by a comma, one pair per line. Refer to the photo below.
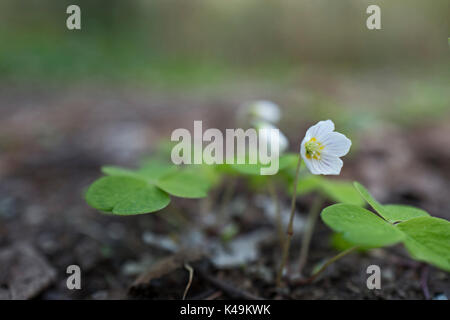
[246,168]
[428,239]
[360,226]
[397,212]
[155,169]
[119,171]
[185,184]
[378,207]
[288,160]
[341,191]
[390,212]
[307,184]
[125,195]
[340,243]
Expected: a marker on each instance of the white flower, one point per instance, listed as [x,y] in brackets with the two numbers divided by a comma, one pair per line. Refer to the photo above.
[266,132]
[322,148]
[264,110]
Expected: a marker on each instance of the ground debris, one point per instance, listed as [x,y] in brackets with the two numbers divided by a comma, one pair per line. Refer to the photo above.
[167,273]
[24,272]
[241,250]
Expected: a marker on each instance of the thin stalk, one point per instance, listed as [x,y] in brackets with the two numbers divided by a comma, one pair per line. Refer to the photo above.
[191,276]
[279,223]
[329,262]
[228,194]
[290,228]
[307,235]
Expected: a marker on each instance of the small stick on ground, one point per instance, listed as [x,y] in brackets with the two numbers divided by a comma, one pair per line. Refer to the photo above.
[232,291]
[215,295]
[191,276]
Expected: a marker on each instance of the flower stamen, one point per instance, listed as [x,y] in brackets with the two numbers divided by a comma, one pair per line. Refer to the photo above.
[313,148]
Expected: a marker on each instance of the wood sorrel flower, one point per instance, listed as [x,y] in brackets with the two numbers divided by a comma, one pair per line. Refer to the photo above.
[322,148]
[264,110]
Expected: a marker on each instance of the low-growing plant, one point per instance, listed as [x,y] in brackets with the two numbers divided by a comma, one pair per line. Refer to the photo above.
[320,150]
[147,189]
[426,238]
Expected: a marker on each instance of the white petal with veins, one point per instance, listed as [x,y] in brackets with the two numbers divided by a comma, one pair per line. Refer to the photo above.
[322,147]
[320,129]
[337,144]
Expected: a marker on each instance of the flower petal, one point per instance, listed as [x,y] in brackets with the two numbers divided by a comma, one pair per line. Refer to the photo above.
[265,110]
[320,129]
[336,144]
[327,165]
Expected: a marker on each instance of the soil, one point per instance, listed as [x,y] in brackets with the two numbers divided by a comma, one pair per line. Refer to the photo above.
[52,149]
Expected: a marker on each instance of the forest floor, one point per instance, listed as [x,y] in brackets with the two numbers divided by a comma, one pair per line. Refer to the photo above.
[53,146]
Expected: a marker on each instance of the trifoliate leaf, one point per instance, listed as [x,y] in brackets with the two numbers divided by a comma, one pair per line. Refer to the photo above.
[397,212]
[428,239]
[378,207]
[155,169]
[340,243]
[360,226]
[125,195]
[185,184]
[341,192]
[390,212]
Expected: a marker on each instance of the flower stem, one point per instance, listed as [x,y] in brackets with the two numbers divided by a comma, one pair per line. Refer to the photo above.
[290,228]
[307,235]
[227,195]
[329,262]
[279,223]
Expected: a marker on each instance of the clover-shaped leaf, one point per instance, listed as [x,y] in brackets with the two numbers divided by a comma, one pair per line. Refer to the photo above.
[124,191]
[341,191]
[287,160]
[360,226]
[390,212]
[124,195]
[428,239]
[338,191]
[185,184]
[399,212]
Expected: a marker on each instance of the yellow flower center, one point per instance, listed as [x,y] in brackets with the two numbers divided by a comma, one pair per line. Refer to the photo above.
[313,149]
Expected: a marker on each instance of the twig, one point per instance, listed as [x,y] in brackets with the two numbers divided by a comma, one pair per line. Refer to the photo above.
[307,235]
[214,296]
[232,291]
[191,276]
[290,228]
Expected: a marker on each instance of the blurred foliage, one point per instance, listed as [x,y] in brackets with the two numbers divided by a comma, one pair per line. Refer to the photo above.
[197,42]
[318,57]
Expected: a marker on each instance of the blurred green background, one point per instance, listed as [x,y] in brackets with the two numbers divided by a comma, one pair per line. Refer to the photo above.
[306,51]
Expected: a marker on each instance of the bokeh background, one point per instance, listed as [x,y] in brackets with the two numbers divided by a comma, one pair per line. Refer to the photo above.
[71,101]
